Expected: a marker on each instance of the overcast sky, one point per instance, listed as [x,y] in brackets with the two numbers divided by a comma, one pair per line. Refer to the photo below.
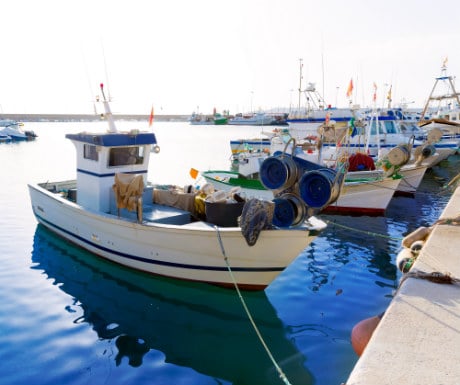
[237,55]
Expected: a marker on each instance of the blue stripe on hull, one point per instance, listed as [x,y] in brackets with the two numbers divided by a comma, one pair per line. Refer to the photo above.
[151,261]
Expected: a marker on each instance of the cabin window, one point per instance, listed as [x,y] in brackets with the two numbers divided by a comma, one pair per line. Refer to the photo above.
[390,127]
[123,156]
[90,152]
[373,128]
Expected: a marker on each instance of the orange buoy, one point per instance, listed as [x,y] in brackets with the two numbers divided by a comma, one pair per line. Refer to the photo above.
[362,333]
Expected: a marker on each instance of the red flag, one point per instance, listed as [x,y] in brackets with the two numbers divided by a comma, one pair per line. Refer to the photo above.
[151,117]
[350,89]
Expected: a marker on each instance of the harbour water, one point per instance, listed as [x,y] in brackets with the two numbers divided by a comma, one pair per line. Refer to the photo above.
[68,317]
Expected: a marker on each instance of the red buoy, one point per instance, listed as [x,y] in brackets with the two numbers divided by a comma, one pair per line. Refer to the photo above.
[362,333]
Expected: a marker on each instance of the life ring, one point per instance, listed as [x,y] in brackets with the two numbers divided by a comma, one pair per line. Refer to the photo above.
[156,149]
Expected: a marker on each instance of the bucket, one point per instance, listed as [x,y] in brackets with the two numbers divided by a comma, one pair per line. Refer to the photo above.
[318,188]
[398,155]
[223,214]
[278,172]
[289,211]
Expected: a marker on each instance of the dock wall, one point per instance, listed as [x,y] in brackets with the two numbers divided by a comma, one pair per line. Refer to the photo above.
[418,339]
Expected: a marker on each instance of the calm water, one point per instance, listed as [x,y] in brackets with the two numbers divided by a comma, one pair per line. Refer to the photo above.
[68,317]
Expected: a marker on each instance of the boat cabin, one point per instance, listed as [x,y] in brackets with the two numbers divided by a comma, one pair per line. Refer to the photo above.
[102,155]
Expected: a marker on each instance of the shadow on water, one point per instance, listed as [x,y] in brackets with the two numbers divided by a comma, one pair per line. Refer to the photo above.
[361,241]
[194,325]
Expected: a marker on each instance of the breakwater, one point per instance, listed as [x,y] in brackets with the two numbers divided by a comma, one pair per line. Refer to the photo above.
[89,117]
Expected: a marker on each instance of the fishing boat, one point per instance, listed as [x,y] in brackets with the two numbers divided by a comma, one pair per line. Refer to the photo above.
[368,195]
[411,164]
[214,119]
[252,119]
[113,211]
[305,120]
[363,192]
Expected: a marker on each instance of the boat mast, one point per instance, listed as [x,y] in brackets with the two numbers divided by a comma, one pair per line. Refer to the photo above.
[451,94]
[300,83]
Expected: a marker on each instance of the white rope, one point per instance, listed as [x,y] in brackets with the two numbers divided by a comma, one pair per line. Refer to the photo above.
[278,368]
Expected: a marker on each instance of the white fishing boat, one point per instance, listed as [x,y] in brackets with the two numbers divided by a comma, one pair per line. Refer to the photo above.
[410,164]
[369,195]
[364,192]
[111,210]
[252,119]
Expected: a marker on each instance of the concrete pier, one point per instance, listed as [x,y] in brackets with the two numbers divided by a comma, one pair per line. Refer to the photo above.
[418,339]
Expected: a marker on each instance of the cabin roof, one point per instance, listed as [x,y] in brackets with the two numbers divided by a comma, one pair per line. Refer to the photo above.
[114,139]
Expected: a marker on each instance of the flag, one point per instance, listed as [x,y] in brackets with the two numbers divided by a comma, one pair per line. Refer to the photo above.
[444,63]
[374,97]
[194,173]
[351,127]
[151,117]
[350,89]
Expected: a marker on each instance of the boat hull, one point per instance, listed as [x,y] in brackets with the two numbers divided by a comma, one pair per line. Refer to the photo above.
[412,176]
[191,252]
[365,197]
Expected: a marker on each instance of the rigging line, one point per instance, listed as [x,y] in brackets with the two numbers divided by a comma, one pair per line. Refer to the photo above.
[362,231]
[278,368]
[377,185]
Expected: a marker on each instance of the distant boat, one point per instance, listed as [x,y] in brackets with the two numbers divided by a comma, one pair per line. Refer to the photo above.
[214,119]
[252,119]
[200,119]
[11,130]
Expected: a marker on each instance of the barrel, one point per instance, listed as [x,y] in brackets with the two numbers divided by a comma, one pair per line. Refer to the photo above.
[289,211]
[278,172]
[318,188]
[398,155]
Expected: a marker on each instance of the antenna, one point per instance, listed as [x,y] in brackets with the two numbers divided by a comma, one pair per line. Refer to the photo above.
[106,74]
[108,112]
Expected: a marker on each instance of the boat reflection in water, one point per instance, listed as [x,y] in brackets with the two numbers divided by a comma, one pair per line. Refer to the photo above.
[194,325]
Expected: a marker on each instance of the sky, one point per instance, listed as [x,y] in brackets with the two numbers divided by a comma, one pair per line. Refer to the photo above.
[181,56]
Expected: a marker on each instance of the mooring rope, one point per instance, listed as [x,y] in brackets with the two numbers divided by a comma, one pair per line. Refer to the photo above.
[362,231]
[251,319]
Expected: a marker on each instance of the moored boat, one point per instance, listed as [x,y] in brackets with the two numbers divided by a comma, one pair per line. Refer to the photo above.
[113,211]
[252,119]
[369,195]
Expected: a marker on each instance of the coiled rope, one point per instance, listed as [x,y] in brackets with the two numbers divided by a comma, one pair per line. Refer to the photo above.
[251,319]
